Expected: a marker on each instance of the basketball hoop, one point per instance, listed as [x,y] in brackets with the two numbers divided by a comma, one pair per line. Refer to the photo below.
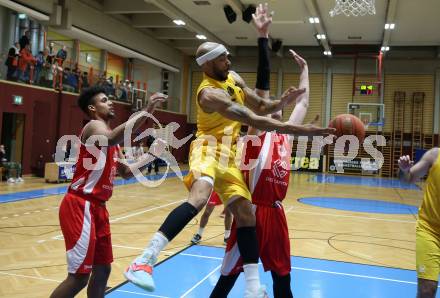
[353,8]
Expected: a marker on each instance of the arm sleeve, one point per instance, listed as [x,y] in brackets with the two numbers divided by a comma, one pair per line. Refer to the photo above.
[263,72]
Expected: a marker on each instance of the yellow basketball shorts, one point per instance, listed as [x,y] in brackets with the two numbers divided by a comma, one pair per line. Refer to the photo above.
[217,162]
[427,254]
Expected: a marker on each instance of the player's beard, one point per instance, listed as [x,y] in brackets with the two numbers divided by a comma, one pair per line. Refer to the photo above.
[221,75]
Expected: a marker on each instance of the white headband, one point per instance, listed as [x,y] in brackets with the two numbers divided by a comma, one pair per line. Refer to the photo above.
[214,53]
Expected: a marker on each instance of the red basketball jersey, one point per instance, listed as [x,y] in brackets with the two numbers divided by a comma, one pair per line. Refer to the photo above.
[269,179]
[93,176]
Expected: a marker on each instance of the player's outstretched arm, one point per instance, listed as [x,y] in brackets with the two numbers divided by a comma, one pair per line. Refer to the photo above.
[411,172]
[262,106]
[116,136]
[127,171]
[302,101]
[217,100]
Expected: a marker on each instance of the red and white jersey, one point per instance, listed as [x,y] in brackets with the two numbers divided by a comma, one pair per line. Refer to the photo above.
[269,179]
[93,176]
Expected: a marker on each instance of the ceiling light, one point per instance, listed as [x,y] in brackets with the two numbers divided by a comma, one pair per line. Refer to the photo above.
[201,36]
[22,16]
[327,53]
[385,49]
[390,26]
[320,36]
[311,20]
[179,22]
[316,20]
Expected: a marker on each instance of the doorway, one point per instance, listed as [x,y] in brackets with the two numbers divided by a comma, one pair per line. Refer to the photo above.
[13,136]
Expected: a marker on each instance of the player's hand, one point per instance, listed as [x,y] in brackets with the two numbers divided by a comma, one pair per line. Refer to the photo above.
[262,19]
[405,163]
[155,99]
[299,60]
[290,95]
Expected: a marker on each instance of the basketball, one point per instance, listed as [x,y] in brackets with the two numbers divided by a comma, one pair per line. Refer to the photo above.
[348,124]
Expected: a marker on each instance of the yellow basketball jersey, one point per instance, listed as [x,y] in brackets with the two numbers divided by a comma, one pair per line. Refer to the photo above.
[429,211]
[214,124]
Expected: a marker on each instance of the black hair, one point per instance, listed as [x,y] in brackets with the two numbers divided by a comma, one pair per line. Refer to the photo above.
[86,97]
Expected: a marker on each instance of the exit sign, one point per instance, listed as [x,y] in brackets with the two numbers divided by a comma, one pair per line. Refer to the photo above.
[17,99]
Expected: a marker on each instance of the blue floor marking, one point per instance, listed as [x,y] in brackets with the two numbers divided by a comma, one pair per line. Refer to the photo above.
[188,273]
[39,193]
[360,205]
[363,181]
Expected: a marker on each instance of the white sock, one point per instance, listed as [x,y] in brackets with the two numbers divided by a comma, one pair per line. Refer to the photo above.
[156,245]
[200,232]
[251,277]
[227,233]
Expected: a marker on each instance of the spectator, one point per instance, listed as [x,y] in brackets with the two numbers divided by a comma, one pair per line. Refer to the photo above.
[108,86]
[85,80]
[155,162]
[69,80]
[24,40]
[121,91]
[40,60]
[51,53]
[16,46]
[12,64]
[61,56]
[9,166]
[24,64]
[138,151]
[45,69]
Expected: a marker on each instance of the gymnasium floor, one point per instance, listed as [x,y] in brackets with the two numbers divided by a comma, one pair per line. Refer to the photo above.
[350,237]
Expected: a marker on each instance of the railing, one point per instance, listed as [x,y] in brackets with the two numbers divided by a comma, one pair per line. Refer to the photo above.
[73,77]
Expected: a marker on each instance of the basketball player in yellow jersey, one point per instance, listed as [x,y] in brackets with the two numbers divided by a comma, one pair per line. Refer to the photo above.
[428,222]
[220,112]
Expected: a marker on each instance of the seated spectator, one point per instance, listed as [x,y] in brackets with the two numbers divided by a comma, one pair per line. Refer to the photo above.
[9,167]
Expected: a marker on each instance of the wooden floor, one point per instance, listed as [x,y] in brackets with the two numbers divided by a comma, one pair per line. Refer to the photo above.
[33,262]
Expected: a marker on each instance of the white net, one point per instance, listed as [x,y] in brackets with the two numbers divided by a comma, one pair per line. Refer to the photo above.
[353,8]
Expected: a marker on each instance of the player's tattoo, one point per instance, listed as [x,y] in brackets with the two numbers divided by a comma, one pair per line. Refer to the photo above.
[239,111]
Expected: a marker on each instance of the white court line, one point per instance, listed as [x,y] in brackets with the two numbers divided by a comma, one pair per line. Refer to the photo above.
[322,271]
[28,276]
[60,236]
[355,275]
[141,294]
[201,281]
[128,247]
[357,217]
[144,211]
[200,256]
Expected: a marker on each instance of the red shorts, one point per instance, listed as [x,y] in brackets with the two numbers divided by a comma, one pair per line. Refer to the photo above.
[86,230]
[273,243]
[214,199]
